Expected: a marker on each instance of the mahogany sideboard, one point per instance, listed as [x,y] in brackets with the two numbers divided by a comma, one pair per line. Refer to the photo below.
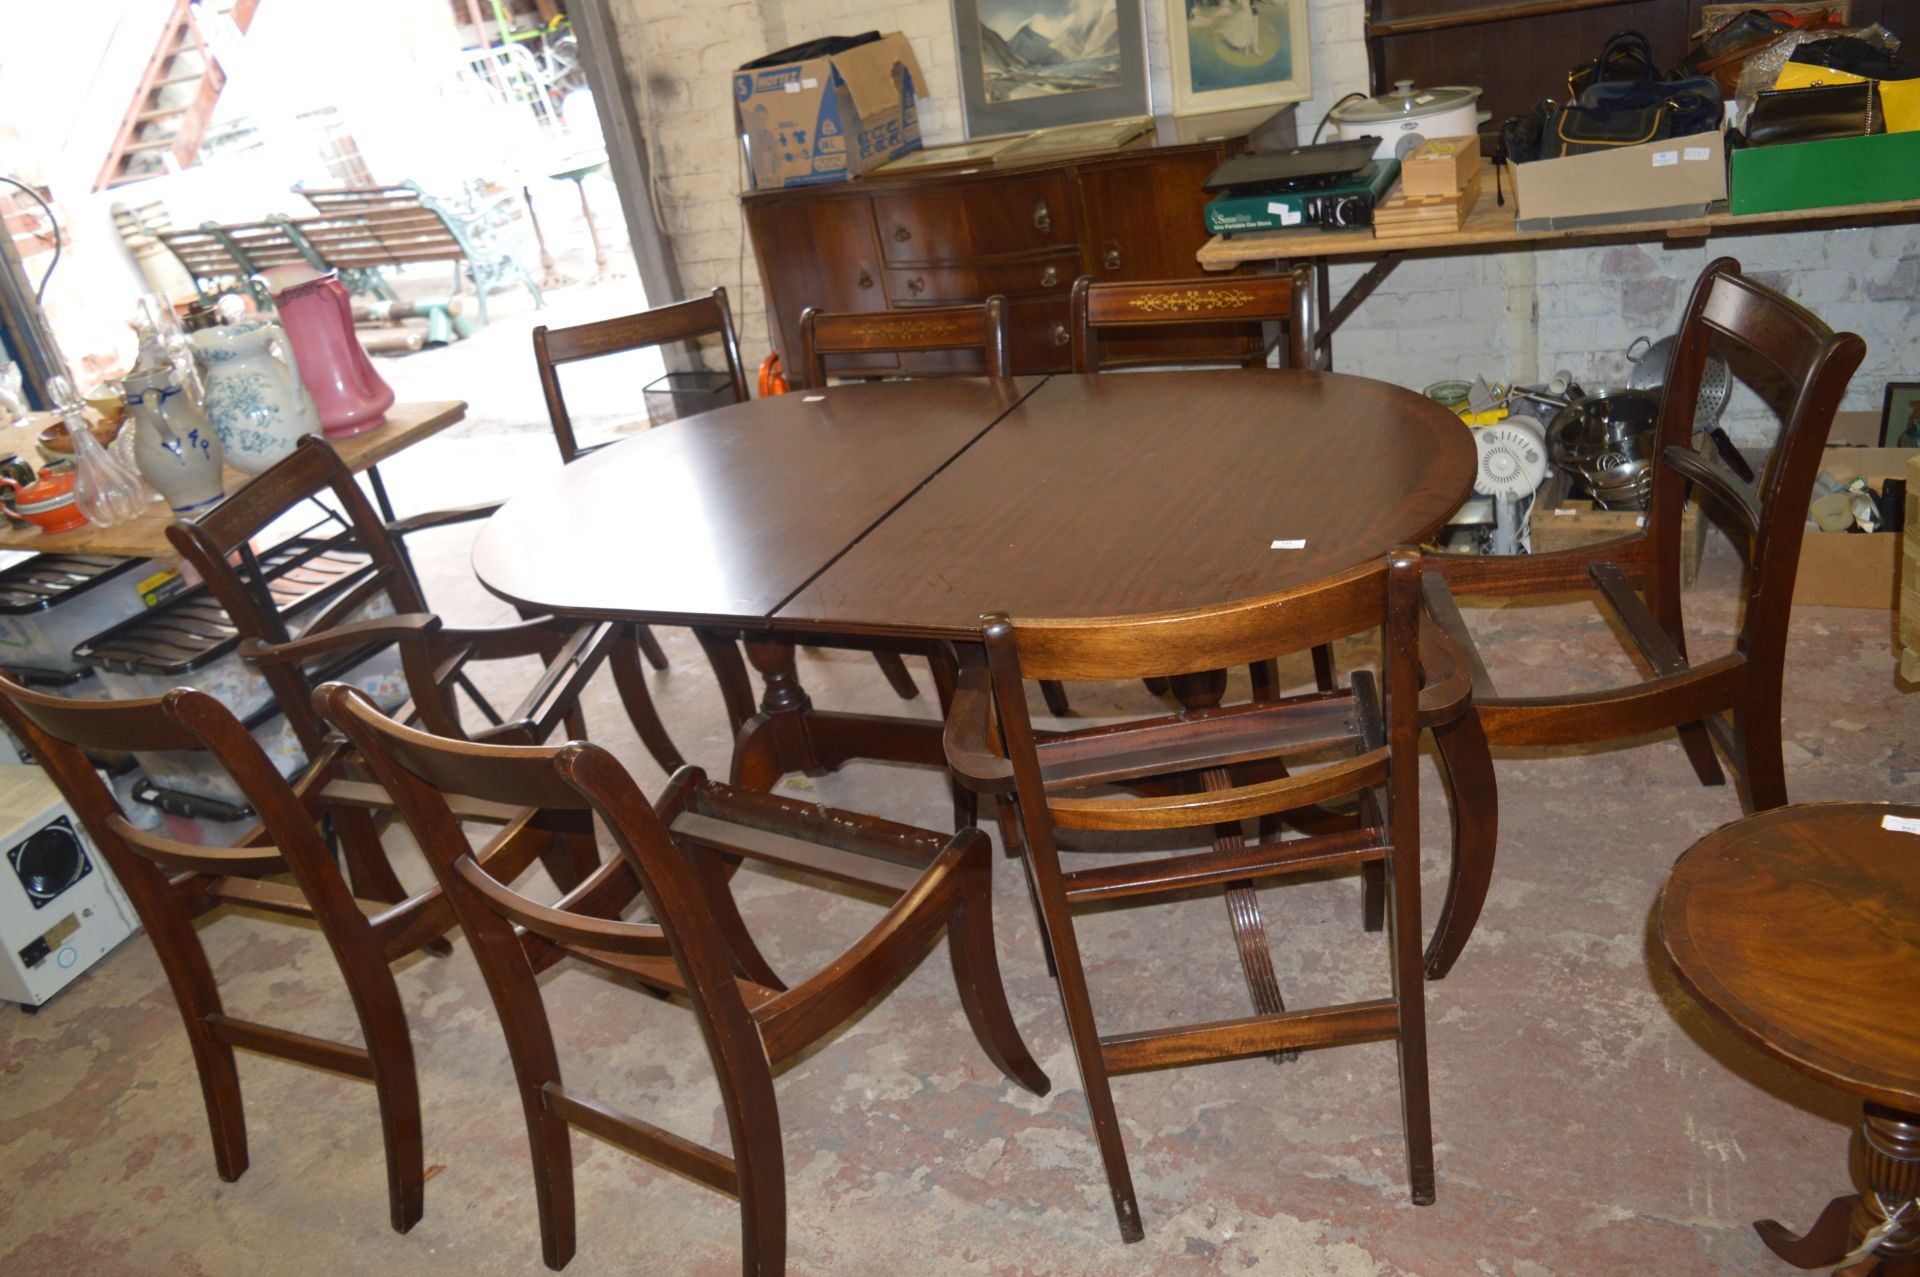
[1026,232]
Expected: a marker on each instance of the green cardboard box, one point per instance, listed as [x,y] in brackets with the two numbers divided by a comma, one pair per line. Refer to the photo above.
[1848,170]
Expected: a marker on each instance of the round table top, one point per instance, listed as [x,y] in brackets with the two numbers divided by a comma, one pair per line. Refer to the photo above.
[1800,927]
[910,508]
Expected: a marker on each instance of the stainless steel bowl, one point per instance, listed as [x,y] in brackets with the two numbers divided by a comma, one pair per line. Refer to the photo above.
[1607,440]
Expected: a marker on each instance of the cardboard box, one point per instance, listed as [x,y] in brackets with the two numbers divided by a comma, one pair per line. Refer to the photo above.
[1572,524]
[1855,430]
[1853,569]
[1847,170]
[1653,182]
[828,119]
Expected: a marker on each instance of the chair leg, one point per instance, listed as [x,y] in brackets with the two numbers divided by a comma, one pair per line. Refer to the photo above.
[1055,695]
[896,671]
[1761,769]
[1007,814]
[1078,1006]
[711,872]
[1409,988]
[177,946]
[631,682]
[1373,896]
[396,1084]
[1699,746]
[976,971]
[655,654]
[1466,771]
[763,1213]
[570,859]
[730,670]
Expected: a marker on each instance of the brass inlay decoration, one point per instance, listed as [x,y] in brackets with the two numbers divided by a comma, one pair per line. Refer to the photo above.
[907,329]
[1192,300]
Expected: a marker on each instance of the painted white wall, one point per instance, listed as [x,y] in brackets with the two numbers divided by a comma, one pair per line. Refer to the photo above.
[1517,315]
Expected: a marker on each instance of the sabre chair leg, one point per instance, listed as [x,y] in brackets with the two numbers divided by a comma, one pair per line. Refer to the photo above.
[976,969]
[1409,987]
[896,671]
[1055,695]
[650,647]
[1762,770]
[631,682]
[1466,772]
[1700,753]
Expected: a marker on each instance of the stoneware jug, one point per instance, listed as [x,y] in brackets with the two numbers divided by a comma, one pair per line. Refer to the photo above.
[255,401]
[319,320]
[175,448]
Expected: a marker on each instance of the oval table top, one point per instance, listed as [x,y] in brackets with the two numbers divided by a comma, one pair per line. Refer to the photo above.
[1800,928]
[910,508]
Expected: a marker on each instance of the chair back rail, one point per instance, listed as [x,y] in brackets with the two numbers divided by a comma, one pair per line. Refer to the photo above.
[1286,299]
[982,328]
[686,321]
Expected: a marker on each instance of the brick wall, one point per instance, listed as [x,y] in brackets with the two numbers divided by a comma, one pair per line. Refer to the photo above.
[1518,315]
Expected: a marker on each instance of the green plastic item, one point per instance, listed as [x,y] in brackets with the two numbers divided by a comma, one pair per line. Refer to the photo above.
[1849,170]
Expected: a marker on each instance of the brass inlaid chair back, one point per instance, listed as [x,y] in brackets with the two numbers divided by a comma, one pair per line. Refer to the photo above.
[171,883]
[982,328]
[1285,299]
[1212,769]
[687,321]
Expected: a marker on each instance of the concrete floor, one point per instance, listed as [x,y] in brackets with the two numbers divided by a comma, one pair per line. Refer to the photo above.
[1589,1118]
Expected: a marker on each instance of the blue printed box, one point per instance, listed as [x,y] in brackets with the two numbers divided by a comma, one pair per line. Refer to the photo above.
[828,119]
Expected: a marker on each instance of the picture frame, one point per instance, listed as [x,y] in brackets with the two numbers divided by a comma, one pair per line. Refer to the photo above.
[1226,54]
[1900,415]
[1035,64]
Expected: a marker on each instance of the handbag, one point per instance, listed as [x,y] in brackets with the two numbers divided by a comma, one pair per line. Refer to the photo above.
[1553,130]
[1816,114]
[1623,77]
[1723,52]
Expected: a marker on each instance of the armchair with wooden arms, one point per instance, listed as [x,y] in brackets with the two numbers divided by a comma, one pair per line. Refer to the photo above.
[1732,700]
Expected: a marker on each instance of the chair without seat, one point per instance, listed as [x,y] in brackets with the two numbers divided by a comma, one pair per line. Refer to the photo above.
[1733,700]
[434,657]
[676,855]
[170,884]
[686,321]
[1285,299]
[919,329]
[1232,762]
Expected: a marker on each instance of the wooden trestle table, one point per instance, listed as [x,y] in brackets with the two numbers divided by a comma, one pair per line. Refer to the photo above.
[905,510]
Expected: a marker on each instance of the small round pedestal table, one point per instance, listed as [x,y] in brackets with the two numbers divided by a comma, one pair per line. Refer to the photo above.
[1800,928]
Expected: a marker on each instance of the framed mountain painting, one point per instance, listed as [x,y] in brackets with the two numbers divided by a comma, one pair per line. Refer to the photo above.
[1033,64]
[1235,53]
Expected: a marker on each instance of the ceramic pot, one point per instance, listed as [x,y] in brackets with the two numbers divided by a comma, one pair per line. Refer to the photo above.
[175,448]
[254,401]
[47,504]
[335,369]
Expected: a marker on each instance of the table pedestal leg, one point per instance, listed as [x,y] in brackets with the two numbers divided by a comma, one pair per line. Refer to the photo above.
[1875,1231]
[1203,691]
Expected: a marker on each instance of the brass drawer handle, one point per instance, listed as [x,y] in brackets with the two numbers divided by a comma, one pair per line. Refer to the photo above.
[1060,335]
[901,235]
[916,285]
[1042,219]
[1049,277]
[866,280]
[1112,258]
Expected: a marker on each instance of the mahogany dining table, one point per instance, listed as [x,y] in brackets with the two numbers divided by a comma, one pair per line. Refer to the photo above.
[904,510]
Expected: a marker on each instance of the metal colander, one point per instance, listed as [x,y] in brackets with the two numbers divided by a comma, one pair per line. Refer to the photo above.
[1650,373]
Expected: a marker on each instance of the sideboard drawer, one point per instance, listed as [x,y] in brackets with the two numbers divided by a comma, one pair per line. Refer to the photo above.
[952,223]
[965,285]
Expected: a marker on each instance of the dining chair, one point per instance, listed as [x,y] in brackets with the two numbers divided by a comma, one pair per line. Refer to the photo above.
[1732,700]
[1285,299]
[981,328]
[1232,765]
[1289,300]
[683,321]
[678,854]
[173,884]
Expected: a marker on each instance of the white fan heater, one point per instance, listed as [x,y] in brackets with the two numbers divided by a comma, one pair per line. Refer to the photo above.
[1513,461]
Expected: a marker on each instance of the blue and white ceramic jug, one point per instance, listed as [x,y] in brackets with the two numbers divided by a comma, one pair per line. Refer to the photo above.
[175,449]
[254,400]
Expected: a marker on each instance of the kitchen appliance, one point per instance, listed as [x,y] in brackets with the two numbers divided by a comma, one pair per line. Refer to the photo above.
[1606,441]
[61,910]
[1403,119]
[1336,204]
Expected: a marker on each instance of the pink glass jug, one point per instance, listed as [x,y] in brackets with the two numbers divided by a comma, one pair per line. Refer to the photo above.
[318,319]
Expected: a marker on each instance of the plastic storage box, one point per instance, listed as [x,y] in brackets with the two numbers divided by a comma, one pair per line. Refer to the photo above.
[53,602]
[190,642]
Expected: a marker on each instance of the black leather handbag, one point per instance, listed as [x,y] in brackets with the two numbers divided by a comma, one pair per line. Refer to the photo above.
[1618,101]
[1816,114]
[1623,77]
